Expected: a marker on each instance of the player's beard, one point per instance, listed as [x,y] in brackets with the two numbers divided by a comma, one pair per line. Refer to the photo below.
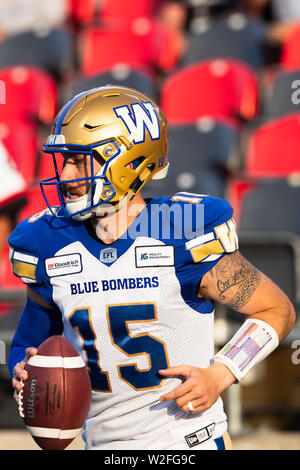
[78,191]
[107,210]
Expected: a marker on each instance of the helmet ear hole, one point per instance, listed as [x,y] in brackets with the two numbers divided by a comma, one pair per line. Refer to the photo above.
[151,166]
[137,162]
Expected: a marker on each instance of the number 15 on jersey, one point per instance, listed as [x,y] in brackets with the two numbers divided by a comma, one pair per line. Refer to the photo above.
[119,318]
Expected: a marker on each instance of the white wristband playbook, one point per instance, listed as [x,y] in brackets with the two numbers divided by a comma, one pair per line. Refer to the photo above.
[254,341]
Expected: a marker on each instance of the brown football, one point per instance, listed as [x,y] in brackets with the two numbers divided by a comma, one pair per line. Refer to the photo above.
[55,400]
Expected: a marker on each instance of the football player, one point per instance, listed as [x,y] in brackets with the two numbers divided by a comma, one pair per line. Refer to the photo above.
[132,283]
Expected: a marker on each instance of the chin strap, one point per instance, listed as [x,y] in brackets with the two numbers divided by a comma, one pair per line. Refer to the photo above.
[100,211]
[162,173]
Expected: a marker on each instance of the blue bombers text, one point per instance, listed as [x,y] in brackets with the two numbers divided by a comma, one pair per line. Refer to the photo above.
[113,284]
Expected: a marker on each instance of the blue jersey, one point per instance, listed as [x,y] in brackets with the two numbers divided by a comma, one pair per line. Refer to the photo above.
[131,308]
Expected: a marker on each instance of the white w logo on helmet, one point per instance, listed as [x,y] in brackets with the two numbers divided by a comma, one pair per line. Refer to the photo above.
[142,117]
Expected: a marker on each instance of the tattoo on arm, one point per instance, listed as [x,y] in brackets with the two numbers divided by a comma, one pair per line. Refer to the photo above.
[236,271]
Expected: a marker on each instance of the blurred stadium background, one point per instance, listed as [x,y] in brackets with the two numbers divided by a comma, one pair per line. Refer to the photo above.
[227,75]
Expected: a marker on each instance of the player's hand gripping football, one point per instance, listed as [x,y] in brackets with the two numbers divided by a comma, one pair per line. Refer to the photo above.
[20,374]
[201,388]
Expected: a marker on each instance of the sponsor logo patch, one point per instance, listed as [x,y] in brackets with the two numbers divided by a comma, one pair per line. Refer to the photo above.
[200,436]
[108,255]
[153,256]
[63,265]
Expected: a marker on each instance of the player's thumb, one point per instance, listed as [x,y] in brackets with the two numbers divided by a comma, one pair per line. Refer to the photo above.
[31,351]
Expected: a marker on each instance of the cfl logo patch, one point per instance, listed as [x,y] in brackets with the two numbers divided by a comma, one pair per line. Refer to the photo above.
[140,118]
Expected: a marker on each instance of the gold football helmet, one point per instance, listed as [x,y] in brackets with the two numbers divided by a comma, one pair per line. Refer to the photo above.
[123,128]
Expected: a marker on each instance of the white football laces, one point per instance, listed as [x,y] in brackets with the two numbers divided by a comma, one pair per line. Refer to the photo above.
[20,401]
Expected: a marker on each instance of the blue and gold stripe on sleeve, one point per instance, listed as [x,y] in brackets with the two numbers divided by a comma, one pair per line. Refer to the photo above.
[24,266]
[210,246]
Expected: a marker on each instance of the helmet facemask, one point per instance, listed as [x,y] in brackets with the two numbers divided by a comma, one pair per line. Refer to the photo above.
[100,191]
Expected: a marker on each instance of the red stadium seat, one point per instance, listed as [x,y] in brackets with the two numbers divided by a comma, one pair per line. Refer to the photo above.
[7,279]
[21,142]
[144,44]
[111,11]
[290,52]
[118,10]
[220,88]
[36,202]
[237,189]
[45,166]
[82,12]
[29,94]
[273,149]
